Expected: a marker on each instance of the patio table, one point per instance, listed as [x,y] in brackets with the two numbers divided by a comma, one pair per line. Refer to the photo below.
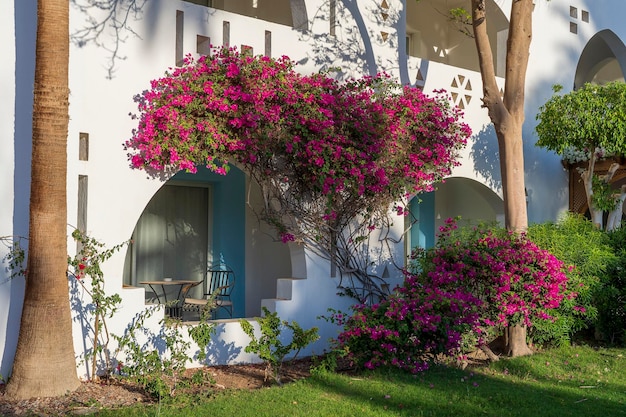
[172,309]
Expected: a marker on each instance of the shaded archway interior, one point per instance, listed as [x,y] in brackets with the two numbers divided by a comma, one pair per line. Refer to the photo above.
[457,197]
[195,220]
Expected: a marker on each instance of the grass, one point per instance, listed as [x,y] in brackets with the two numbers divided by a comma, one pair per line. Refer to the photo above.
[568,381]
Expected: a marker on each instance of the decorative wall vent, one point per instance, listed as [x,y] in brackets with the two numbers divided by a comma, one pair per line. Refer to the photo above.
[419,78]
[385,16]
[573,14]
[246,50]
[461,91]
[203,45]
[440,52]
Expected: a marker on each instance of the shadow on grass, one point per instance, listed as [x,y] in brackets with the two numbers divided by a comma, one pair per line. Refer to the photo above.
[450,392]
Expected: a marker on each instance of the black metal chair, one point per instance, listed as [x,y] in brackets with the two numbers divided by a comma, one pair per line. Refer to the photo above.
[219,284]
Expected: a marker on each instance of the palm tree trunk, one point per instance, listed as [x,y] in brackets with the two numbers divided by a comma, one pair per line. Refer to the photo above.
[45,365]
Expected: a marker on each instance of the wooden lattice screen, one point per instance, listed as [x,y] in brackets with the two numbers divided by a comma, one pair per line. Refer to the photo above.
[577,197]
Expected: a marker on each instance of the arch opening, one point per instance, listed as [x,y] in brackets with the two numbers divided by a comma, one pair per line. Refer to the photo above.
[194,220]
[456,197]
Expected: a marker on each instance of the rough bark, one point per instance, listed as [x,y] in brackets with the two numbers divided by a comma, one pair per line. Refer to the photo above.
[516,341]
[506,112]
[44,364]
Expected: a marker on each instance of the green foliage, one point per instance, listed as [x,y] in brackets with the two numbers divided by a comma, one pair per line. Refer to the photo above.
[327,363]
[610,298]
[269,346]
[15,256]
[599,276]
[202,332]
[155,361]
[462,20]
[586,125]
[158,361]
[87,264]
[603,197]
[577,242]
[594,116]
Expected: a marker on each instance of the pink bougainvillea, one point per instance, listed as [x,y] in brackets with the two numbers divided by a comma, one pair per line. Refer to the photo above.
[331,155]
[469,283]
[362,136]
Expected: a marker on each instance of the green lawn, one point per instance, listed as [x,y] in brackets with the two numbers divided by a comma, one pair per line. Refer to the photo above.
[569,381]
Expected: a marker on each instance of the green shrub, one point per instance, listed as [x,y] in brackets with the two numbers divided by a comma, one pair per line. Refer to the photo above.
[577,242]
[269,346]
[610,297]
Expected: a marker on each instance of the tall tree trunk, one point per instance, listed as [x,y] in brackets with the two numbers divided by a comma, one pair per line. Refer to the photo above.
[506,112]
[44,364]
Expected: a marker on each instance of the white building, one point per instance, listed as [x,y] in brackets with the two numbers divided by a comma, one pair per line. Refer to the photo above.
[574,41]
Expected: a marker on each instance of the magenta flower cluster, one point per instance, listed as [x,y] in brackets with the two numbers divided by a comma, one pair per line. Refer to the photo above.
[461,288]
[515,280]
[315,134]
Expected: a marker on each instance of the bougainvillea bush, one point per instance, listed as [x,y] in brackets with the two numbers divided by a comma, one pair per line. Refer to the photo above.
[462,289]
[329,156]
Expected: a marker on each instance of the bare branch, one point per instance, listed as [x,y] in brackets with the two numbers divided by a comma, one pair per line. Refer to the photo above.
[103,17]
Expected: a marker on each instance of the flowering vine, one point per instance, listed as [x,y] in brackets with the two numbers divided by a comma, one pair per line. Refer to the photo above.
[332,157]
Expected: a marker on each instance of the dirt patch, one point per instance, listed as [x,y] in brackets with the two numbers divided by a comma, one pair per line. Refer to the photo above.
[93,396]
[115,393]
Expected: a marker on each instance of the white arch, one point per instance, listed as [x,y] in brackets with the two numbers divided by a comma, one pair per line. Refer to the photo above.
[603,47]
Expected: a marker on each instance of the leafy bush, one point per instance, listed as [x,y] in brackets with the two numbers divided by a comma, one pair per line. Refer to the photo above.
[155,361]
[515,281]
[577,242]
[269,346]
[610,297]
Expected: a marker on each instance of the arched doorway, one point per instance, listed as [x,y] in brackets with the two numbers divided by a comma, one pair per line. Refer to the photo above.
[191,221]
[194,220]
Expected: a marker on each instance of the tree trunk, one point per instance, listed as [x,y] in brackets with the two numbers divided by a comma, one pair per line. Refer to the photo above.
[506,112]
[614,221]
[511,151]
[516,341]
[44,364]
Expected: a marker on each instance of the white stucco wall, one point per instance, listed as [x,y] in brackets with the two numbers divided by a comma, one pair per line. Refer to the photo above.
[7,114]
[118,195]
[17,29]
